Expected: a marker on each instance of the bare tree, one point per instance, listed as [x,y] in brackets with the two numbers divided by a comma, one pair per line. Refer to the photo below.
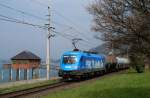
[124,25]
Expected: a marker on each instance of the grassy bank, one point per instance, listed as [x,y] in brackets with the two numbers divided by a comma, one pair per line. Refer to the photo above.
[127,84]
[26,86]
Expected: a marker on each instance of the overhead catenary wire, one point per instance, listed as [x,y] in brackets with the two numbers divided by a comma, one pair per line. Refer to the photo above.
[69,28]
[70,37]
[77,31]
[43,4]
[66,36]
[26,13]
[67,19]
[14,20]
[22,12]
[10,19]
[64,25]
[40,3]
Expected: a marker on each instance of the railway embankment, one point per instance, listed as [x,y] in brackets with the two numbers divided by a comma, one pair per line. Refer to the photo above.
[126,84]
[24,84]
[44,88]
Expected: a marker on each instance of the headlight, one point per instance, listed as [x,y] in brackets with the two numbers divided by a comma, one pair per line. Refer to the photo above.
[67,66]
[74,67]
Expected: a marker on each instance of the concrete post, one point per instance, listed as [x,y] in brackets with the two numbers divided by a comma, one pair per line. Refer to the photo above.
[28,74]
[19,73]
[39,72]
[2,74]
[11,74]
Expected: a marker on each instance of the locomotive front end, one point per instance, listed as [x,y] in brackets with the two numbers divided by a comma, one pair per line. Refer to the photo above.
[69,65]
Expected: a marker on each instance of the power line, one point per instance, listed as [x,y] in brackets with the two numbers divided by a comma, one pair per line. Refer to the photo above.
[69,27]
[9,19]
[70,37]
[61,24]
[85,36]
[74,30]
[40,3]
[73,36]
[22,12]
[67,19]
[82,34]
[43,27]
[66,36]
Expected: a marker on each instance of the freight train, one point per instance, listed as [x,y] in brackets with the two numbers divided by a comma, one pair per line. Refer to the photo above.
[78,64]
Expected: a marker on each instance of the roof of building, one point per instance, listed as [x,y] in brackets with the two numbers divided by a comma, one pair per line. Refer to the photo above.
[26,55]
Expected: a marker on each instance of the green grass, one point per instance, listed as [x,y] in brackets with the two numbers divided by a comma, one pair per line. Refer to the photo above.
[128,84]
[26,86]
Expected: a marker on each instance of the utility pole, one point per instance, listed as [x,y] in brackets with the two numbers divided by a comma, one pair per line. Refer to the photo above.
[49,35]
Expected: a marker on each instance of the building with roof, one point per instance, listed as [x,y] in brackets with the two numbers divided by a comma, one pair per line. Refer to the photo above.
[25,60]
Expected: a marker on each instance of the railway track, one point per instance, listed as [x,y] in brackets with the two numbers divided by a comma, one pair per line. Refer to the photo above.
[21,93]
[46,88]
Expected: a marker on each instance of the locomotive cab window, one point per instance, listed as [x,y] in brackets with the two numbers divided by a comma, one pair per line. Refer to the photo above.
[68,59]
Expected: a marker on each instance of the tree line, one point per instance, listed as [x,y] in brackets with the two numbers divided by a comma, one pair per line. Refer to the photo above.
[124,26]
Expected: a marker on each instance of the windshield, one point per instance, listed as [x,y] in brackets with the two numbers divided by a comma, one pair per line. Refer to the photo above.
[68,59]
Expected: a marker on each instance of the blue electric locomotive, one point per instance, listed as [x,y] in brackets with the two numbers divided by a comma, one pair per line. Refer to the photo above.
[77,64]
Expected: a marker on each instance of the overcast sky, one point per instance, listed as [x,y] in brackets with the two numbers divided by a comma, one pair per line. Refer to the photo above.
[68,17]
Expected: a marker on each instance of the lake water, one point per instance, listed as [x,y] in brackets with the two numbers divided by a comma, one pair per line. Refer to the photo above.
[5,72]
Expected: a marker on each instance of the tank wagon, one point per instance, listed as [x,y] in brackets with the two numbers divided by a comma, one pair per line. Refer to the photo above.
[78,64]
[122,63]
